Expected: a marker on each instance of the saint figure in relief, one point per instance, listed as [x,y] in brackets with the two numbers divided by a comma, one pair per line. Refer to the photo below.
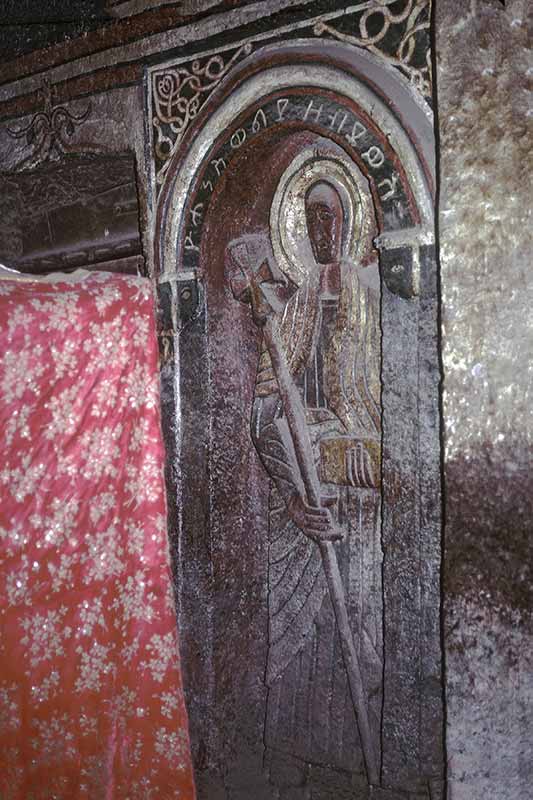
[324,301]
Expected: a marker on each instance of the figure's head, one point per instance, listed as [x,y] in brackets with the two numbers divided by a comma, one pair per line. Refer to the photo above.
[323,212]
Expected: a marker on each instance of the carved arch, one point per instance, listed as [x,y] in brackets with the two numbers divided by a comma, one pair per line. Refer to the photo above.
[399,119]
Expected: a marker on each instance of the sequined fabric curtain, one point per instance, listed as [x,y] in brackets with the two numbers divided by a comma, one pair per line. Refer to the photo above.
[91,702]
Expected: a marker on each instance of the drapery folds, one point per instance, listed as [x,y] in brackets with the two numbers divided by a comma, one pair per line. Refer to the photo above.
[91,702]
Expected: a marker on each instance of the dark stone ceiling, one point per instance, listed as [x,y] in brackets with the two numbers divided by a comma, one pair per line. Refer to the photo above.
[27,25]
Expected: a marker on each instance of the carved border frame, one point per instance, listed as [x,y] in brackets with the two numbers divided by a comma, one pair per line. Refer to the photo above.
[410,760]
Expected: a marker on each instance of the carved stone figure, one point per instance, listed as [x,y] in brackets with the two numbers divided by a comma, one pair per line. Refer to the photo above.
[318,388]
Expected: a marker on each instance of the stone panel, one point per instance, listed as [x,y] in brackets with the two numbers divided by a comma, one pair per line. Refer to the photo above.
[280,709]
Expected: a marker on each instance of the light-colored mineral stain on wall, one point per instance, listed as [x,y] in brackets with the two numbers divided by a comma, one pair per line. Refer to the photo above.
[485,75]
[484,80]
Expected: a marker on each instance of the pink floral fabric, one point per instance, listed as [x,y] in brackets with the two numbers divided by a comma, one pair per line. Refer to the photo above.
[91,702]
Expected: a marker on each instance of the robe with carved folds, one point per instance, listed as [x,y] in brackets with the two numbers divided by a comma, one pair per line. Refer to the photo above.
[91,702]
[332,348]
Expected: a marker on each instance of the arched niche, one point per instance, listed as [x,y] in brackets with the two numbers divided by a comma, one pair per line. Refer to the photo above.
[221,184]
[355,91]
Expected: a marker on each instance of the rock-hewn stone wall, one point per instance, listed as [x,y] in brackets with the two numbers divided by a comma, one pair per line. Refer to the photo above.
[485,66]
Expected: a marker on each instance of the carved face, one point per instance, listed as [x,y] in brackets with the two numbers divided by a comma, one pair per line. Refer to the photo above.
[323,212]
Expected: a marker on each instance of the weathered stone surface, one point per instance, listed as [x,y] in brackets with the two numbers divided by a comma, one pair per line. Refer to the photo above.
[28,26]
[45,177]
[219,491]
[79,211]
[485,64]
[218,180]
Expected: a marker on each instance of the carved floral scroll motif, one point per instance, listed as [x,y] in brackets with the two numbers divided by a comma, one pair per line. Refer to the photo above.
[48,132]
[396,36]
[178,95]
[396,30]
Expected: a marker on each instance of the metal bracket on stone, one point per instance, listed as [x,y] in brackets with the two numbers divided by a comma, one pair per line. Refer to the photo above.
[178,302]
[165,321]
[400,260]
[400,272]
[187,297]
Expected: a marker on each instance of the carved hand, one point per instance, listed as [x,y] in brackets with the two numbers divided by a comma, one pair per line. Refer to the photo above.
[359,467]
[316,522]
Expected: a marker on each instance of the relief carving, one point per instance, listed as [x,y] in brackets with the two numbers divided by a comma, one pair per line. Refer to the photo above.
[178,94]
[313,286]
[304,402]
[48,132]
[410,25]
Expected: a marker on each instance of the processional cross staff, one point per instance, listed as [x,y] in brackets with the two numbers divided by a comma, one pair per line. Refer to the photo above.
[250,288]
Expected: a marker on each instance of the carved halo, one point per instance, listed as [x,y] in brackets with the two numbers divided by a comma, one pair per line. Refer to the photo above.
[322,161]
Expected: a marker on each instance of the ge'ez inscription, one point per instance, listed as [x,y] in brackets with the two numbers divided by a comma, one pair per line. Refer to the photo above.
[196,214]
[374,157]
[338,119]
[357,133]
[319,111]
[389,186]
[189,243]
[238,139]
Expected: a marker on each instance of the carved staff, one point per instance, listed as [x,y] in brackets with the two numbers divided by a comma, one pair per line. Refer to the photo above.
[245,281]
[295,415]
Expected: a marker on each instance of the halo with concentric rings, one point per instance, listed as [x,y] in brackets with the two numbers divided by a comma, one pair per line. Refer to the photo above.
[322,161]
